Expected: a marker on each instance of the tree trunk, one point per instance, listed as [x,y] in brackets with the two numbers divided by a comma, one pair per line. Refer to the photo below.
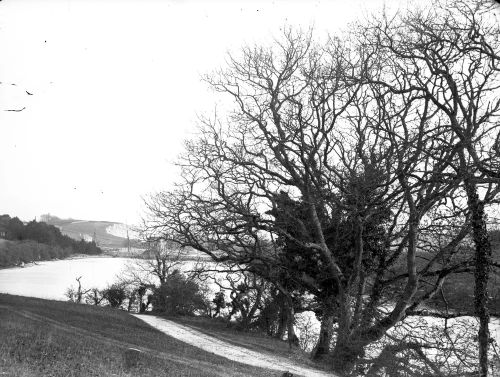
[325,336]
[481,273]
[346,351]
[131,301]
[142,305]
[245,321]
[388,352]
[293,340]
[281,321]
[345,355]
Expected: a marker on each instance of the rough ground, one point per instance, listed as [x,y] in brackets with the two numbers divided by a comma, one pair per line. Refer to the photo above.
[49,338]
[229,351]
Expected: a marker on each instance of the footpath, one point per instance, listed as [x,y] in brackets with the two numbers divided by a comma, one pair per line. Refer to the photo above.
[227,350]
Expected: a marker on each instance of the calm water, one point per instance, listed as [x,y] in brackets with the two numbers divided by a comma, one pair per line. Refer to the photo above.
[51,279]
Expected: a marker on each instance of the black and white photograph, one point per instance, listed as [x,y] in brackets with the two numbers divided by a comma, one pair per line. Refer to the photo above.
[232,188]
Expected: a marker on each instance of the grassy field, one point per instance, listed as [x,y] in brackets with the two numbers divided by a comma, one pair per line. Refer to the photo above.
[76,228]
[51,338]
[104,239]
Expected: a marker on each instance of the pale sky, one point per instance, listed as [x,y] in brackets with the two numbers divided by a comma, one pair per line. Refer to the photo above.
[116,89]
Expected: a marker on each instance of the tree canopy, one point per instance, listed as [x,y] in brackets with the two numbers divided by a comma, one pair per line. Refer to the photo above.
[357,171]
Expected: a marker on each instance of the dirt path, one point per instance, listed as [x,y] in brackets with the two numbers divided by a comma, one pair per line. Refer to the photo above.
[229,351]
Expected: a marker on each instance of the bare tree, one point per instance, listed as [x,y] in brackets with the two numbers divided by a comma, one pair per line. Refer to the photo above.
[339,131]
[77,294]
[154,265]
[450,57]
[94,297]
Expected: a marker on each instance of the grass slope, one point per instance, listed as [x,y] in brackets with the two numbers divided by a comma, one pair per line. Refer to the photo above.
[76,228]
[52,338]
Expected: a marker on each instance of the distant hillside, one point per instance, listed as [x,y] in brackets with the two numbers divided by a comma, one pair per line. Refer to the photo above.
[107,234]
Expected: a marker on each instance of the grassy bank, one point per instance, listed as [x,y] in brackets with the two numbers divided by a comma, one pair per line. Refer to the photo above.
[51,338]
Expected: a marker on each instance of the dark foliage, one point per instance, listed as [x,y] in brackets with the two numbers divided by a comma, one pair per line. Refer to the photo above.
[39,241]
[115,295]
[17,253]
[220,302]
[178,295]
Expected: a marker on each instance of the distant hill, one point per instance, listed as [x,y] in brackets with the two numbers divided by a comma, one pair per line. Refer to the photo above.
[107,234]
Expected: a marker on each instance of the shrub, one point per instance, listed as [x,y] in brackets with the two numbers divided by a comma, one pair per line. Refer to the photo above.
[115,294]
[94,296]
[219,301]
[179,295]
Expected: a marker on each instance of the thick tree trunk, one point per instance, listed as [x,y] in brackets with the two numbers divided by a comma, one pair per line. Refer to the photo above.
[481,273]
[346,352]
[281,300]
[281,322]
[345,355]
[351,342]
[131,301]
[325,336]
[382,360]
[293,340]
[245,321]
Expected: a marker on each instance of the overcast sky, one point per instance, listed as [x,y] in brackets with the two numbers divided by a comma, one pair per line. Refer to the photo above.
[116,89]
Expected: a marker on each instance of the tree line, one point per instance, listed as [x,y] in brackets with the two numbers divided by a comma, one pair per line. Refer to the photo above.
[356,176]
[37,241]
[151,282]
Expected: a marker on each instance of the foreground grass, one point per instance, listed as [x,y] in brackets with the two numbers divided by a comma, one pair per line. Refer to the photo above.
[51,338]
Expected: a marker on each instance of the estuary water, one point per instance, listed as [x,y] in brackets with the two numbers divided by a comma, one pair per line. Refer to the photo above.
[51,279]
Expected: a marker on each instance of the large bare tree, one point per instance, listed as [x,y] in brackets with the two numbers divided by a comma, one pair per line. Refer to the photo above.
[342,131]
[450,56]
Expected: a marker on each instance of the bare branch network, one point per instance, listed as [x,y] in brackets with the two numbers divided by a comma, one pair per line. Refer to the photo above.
[358,173]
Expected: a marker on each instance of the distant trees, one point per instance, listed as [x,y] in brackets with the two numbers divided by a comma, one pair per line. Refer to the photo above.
[77,294]
[159,260]
[37,241]
[41,232]
[94,296]
[358,172]
[152,280]
[178,295]
[149,271]
[13,226]
[22,252]
[115,295]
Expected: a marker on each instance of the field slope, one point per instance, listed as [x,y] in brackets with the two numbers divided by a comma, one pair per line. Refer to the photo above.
[51,338]
[86,229]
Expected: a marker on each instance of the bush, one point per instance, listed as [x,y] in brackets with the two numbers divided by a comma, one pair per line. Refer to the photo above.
[219,301]
[115,294]
[178,295]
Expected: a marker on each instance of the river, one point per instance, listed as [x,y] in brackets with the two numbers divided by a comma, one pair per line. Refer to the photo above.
[51,279]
